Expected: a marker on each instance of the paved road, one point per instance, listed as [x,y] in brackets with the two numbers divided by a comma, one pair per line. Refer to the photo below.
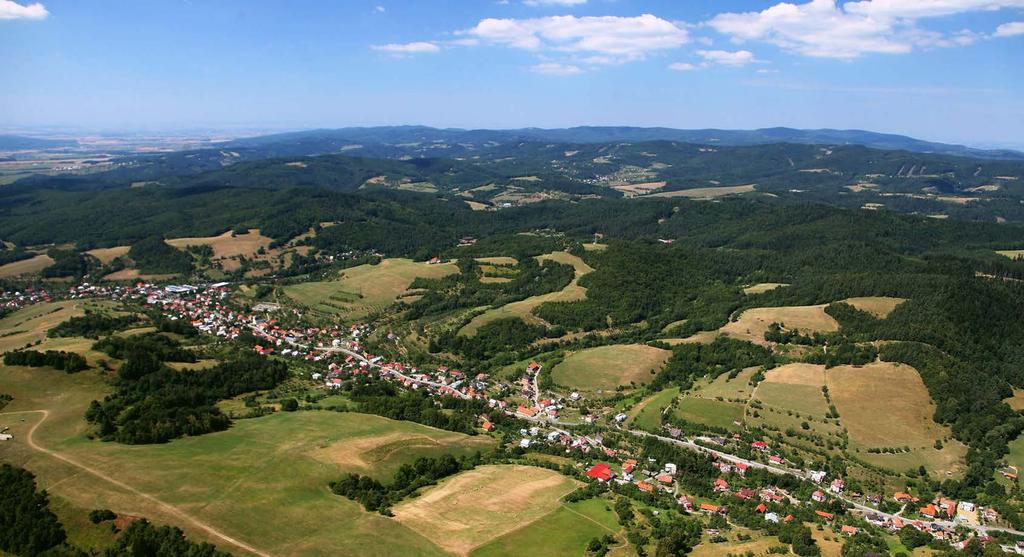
[166,506]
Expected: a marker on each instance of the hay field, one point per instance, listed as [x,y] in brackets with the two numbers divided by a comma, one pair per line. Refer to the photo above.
[260,481]
[703,337]
[707,193]
[523,309]
[26,266]
[365,288]
[379,455]
[758,545]
[565,531]
[29,324]
[595,247]
[607,367]
[227,246]
[737,388]
[762,287]
[711,412]
[753,323]
[795,387]
[501,260]
[633,190]
[475,507]
[1011,253]
[106,255]
[879,306]
[647,413]
[1016,401]
[887,405]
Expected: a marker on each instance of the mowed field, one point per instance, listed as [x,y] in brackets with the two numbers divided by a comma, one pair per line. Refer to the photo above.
[607,367]
[227,246]
[707,193]
[28,266]
[106,255]
[753,323]
[887,405]
[720,402]
[523,309]
[365,288]
[30,324]
[647,413]
[263,482]
[475,507]
[879,306]
[565,531]
[762,287]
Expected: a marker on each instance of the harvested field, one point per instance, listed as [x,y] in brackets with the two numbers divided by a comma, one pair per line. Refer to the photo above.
[703,337]
[737,388]
[762,287]
[707,193]
[709,412]
[879,306]
[370,451]
[607,367]
[29,266]
[499,260]
[106,255]
[647,413]
[753,323]
[565,531]
[475,507]
[633,190]
[595,247]
[1011,253]
[1016,401]
[228,246]
[29,324]
[477,206]
[132,274]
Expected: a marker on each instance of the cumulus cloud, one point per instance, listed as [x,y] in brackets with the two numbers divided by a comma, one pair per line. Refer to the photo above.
[824,28]
[554,68]
[683,67]
[726,58]
[419,47]
[610,39]
[14,10]
[554,2]
[1011,29]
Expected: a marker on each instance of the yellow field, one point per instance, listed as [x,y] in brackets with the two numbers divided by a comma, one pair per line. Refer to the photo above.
[758,545]
[227,246]
[1016,401]
[475,507]
[106,255]
[26,266]
[707,193]
[365,288]
[477,206]
[499,260]
[763,287]
[795,387]
[29,324]
[1011,253]
[887,405]
[595,247]
[633,190]
[607,367]
[523,309]
[753,323]
[367,451]
[703,337]
[879,306]
[132,274]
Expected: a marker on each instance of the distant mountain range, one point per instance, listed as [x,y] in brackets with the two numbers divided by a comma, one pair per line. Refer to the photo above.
[443,141]
[21,142]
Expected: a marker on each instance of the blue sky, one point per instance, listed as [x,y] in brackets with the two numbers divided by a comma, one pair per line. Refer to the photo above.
[947,70]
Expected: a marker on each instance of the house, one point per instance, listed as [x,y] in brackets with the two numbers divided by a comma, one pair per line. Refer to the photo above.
[771,517]
[817,476]
[670,469]
[720,486]
[6,437]
[825,515]
[775,459]
[990,514]
[533,366]
[902,497]
[741,468]
[818,496]
[930,511]
[759,446]
[837,486]
[711,509]
[524,444]
[686,503]
[629,465]
[746,493]
[527,411]
[601,472]
[847,530]
[664,478]
[789,518]
[761,508]
[644,486]
[487,425]
[948,506]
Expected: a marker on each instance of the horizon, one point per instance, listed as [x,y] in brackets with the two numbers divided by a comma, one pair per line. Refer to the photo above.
[946,72]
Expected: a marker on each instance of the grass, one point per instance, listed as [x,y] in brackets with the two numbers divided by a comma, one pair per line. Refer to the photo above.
[503,260]
[29,325]
[1011,253]
[737,388]
[762,287]
[28,266]
[1014,458]
[709,412]
[565,531]
[753,323]
[106,255]
[1016,401]
[647,413]
[228,246]
[523,309]
[887,405]
[261,481]
[879,306]
[365,288]
[707,193]
[607,367]
[475,507]
[758,544]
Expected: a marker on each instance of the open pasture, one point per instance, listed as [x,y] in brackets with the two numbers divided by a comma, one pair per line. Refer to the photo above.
[523,309]
[565,531]
[753,323]
[28,266]
[365,288]
[106,255]
[762,287]
[879,306]
[228,246]
[708,411]
[607,367]
[475,507]
[647,413]
[29,324]
[707,193]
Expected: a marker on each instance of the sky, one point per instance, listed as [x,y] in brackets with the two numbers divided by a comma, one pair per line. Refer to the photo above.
[943,70]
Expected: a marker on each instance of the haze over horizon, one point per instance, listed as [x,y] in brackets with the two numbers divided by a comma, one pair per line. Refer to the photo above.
[946,70]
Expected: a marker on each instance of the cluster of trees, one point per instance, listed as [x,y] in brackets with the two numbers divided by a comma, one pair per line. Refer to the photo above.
[844,354]
[66,263]
[154,404]
[92,325]
[143,538]
[27,525]
[159,345]
[693,360]
[496,342]
[155,256]
[374,496]
[68,362]
[384,399]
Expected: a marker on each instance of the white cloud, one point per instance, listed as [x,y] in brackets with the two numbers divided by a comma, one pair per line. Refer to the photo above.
[726,58]
[554,68]
[419,47]
[554,2]
[683,67]
[1011,29]
[13,10]
[616,39]
[379,9]
[824,28]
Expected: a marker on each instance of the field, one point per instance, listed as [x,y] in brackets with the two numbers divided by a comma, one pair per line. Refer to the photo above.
[753,323]
[106,255]
[523,309]
[260,482]
[647,413]
[1016,401]
[499,260]
[887,405]
[228,246]
[365,288]
[475,507]
[879,306]
[606,367]
[565,531]
[706,193]
[29,324]
[1011,253]
[709,412]
[758,545]
[762,287]
[26,266]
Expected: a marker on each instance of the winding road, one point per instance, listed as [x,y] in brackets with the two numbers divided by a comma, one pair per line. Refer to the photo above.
[175,511]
